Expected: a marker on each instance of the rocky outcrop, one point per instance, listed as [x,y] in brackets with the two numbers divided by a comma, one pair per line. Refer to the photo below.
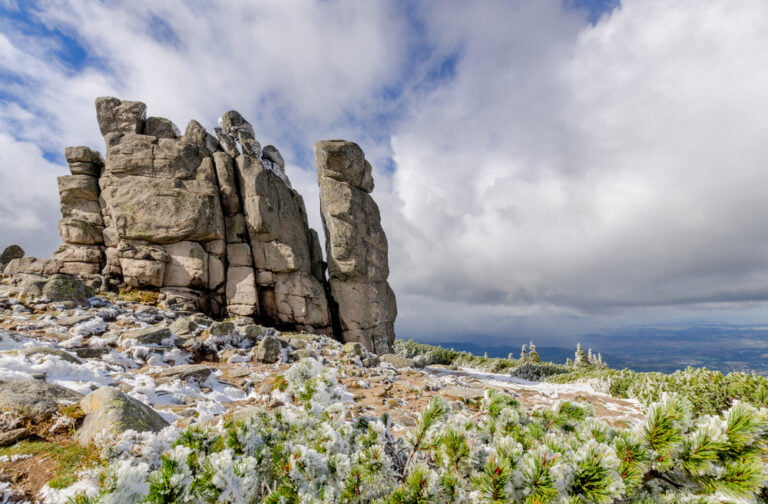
[213,223]
[356,246]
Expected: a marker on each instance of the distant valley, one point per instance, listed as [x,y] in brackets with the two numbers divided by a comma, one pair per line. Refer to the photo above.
[665,349]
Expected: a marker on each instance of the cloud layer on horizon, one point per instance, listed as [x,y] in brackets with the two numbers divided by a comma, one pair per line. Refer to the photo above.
[537,173]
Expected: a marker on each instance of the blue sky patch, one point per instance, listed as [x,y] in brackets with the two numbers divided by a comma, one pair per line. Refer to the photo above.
[594,9]
[26,22]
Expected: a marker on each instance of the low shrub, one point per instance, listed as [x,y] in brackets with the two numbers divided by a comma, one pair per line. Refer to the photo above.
[709,391]
[317,453]
[538,371]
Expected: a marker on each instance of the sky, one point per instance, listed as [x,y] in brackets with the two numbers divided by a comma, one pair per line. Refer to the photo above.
[544,168]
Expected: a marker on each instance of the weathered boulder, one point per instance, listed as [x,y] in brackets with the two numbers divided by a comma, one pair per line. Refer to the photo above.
[66,288]
[221,329]
[464,394]
[14,436]
[268,350]
[77,188]
[108,409]
[161,127]
[242,298]
[55,352]
[35,400]
[32,265]
[161,210]
[183,327]
[225,175]
[79,253]
[83,161]
[80,259]
[11,252]
[115,116]
[356,246]
[353,348]
[80,232]
[142,272]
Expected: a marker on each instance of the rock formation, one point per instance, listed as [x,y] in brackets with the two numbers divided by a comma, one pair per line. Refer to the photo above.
[212,222]
[356,246]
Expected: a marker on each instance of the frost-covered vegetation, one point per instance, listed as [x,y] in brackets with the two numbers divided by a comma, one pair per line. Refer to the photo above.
[708,391]
[430,355]
[316,452]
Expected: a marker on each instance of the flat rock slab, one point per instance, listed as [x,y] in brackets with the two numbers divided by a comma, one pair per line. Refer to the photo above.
[108,409]
[55,352]
[400,362]
[466,394]
[150,335]
[74,320]
[13,436]
[196,372]
[34,399]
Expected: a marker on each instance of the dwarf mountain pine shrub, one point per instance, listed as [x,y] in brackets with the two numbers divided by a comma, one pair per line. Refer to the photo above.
[317,453]
[709,391]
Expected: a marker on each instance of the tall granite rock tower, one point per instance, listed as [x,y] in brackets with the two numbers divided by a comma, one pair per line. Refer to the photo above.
[212,222]
[356,245]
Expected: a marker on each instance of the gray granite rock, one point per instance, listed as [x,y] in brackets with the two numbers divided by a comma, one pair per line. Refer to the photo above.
[356,247]
[34,399]
[107,409]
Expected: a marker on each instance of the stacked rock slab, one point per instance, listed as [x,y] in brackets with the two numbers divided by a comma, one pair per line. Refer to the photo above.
[356,246]
[161,206]
[82,225]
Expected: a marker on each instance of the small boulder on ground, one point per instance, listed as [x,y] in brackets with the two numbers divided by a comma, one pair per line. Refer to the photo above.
[221,329]
[354,348]
[183,327]
[34,399]
[66,288]
[109,409]
[268,350]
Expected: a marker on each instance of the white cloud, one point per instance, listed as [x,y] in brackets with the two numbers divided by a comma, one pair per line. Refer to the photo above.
[28,195]
[564,175]
[589,168]
[299,71]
